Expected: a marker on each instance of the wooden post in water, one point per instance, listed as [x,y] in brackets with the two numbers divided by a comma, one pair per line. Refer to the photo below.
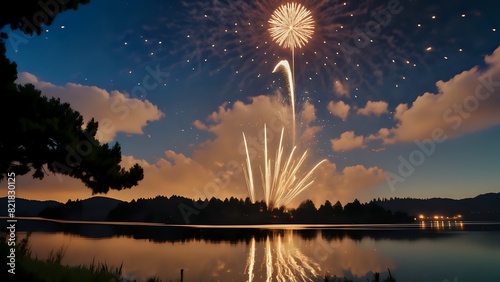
[182,275]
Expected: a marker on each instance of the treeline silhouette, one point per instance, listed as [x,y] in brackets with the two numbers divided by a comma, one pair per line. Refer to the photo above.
[214,211]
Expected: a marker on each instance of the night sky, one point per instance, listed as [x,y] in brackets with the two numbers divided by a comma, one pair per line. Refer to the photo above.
[177,82]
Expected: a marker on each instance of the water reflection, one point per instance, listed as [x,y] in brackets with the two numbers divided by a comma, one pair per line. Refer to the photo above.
[283,259]
[441,225]
[294,253]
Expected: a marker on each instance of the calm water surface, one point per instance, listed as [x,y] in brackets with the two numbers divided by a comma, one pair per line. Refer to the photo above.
[431,251]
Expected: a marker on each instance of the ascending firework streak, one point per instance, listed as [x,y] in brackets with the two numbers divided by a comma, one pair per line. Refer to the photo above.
[291,89]
[281,183]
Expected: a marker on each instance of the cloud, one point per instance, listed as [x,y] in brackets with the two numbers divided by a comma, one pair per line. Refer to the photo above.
[215,167]
[339,109]
[465,104]
[348,141]
[341,89]
[308,113]
[114,111]
[374,108]
[343,185]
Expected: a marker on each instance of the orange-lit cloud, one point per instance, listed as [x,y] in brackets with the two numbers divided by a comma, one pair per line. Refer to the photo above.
[374,108]
[341,89]
[342,185]
[339,109]
[467,103]
[115,111]
[348,141]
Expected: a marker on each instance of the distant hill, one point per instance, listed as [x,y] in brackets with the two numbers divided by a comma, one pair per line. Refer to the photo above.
[481,207]
[27,207]
[95,208]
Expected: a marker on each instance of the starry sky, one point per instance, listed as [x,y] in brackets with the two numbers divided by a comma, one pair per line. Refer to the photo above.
[400,98]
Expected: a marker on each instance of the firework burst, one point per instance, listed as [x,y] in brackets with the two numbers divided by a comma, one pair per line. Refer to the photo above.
[240,37]
[291,25]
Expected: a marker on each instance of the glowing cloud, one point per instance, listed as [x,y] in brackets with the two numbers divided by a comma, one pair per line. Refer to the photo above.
[339,109]
[115,111]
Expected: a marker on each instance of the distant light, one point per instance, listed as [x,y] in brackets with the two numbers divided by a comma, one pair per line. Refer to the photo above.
[63,27]
[419,25]
[433,17]
[494,29]
[429,48]
[463,15]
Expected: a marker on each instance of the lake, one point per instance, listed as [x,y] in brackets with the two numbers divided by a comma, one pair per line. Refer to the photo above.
[425,251]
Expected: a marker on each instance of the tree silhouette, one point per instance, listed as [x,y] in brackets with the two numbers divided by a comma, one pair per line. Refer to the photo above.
[338,209]
[305,212]
[30,15]
[42,134]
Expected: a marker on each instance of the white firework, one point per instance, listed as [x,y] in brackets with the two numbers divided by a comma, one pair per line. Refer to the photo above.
[292,25]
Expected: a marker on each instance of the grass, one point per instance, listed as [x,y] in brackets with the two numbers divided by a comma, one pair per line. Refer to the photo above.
[39,270]
[34,269]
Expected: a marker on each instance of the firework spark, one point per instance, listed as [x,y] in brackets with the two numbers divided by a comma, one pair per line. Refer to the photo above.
[291,25]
